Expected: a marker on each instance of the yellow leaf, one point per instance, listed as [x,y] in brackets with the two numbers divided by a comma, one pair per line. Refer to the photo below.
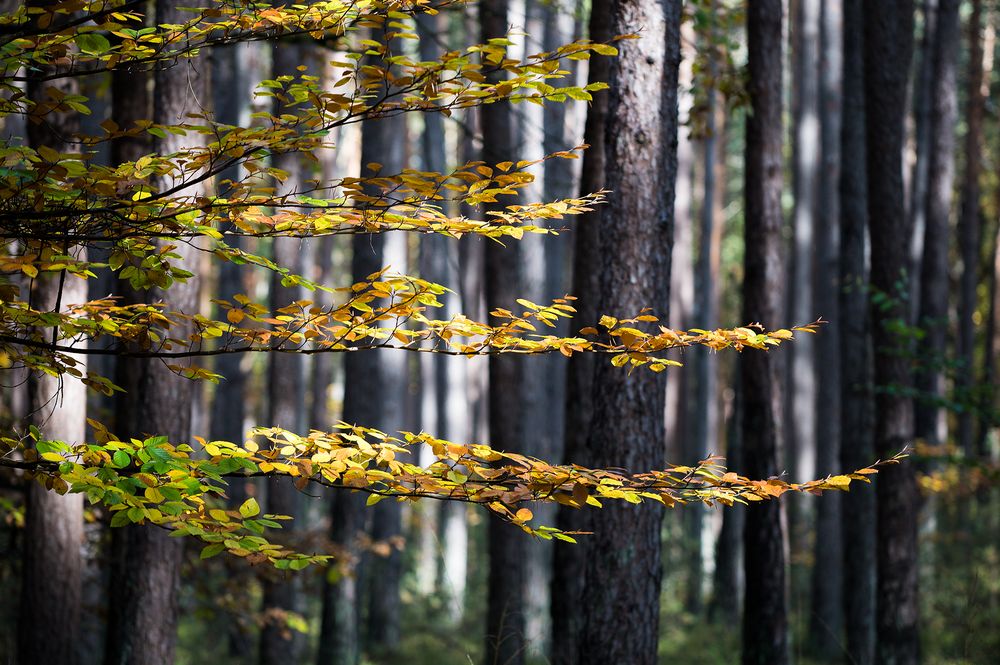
[523,515]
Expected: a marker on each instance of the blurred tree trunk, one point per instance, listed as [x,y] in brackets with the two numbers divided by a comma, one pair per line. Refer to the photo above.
[570,560]
[142,623]
[970,231]
[826,615]
[680,436]
[856,446]
[799,401]
[930,422]
[703,401]
[727,580]
[230,74]
[991,347]
[916,201]
[385,561]
[282,591]
[505,620]
[52,563]
[888,39]
[765,620]
[366,375]
[636,236]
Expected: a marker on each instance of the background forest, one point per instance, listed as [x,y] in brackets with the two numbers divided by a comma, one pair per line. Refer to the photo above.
[750,168]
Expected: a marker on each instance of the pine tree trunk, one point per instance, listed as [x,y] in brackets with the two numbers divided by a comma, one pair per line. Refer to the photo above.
[727,580]
[916,196]
[142,627]
[52,563]
[569,560]
[636,236]
[765,620]
[285,398]
[969,230]
[826,615]
[505,619]
[888,35]
[933,319]
[856,416]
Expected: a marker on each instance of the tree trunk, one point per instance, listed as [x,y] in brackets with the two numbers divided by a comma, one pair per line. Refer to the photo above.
[765,621]
[279,643]
[142,627]
[570,560]
[433,267]
[826,615]
[365,374]
[681,440]
[703,401]
[800,399]
[917,196]
[856,416]
[969,231]
[52,563]
[636,234]
[385,562]
[228,415]
[505,620]
[727,580]
[930,422]
[888,35]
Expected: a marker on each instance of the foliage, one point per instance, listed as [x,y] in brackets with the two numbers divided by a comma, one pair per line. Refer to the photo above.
[53,204]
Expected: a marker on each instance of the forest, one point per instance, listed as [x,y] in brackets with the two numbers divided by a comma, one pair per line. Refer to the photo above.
[506,332]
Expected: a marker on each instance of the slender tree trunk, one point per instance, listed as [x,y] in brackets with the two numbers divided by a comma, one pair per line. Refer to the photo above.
[856,416]
[279,643]
[826,616]
[570,560]
[703,400]
[229,74]
[505,620]
[969,229]
[365,375]
[933,319]
[680,434]
[52,563]
[727,580]
[434,254]
[636,235]
[800,399]
[916,199]
[888,38]
[765,620]
[142,627]
[385,562]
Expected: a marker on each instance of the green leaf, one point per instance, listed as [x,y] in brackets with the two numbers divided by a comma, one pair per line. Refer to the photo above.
[211,550]
[120,459]
[93,43]
[250,508]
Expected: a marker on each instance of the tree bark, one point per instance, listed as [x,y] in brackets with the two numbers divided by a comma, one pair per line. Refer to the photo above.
[727,579]
[856,415]
[505,620]
[636,237]
[569,560]
[142,627]
[918,186]
[888,35]
[52,562]
[800,399]
[930,422]
[282,592]
[826,615]
[970,231]
[765,621]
